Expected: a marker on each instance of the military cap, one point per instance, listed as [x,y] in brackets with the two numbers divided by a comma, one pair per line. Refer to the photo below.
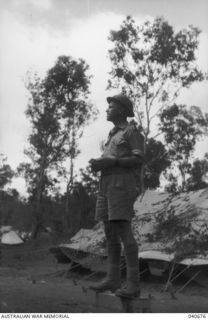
[124,101]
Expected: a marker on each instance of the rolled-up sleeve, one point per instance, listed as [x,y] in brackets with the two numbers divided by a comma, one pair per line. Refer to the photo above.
[136,142]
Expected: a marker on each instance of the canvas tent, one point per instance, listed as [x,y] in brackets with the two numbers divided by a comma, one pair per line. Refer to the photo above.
[167,228]
[11,238]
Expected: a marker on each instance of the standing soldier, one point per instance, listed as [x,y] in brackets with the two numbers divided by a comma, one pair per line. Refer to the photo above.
[122,157]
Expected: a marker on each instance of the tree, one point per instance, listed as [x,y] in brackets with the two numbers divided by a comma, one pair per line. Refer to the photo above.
[58,103]
[198,174]
[89,180]
[82,208]
[182,127]
[157,160]
[152,63]
[6,173]
[46,145]
[87,189]
[68,83]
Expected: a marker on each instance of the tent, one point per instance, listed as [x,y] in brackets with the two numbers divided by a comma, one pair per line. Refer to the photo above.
[168,228]
[11,238]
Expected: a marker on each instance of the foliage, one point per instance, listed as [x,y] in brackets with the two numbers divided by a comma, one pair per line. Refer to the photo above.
[198,174]
[89,180]
[172,185]
[58,110]
[81,206]
[6,173]
[68,83]
[157,160]
[20,213]
[82,199]
[152,62]
[182,127]
[46,142]
[14,211]
[178,233]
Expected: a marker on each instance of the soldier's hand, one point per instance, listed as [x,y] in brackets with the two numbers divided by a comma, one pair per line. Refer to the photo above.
[102,163]
[94,164]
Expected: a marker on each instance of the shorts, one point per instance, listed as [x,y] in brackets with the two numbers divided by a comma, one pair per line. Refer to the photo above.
[116,197]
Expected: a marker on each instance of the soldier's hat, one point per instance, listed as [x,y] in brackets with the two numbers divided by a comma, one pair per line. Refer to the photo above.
[124,101]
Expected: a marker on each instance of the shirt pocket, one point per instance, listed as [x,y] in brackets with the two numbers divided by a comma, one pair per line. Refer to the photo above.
[122,148]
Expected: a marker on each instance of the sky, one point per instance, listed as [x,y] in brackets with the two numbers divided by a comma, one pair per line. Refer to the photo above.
[33,33]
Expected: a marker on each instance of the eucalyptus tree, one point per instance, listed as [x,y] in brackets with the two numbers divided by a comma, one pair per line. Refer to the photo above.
[6,172]
[151,62]
[198,174]
[58,109]
[182,128]
[68,82]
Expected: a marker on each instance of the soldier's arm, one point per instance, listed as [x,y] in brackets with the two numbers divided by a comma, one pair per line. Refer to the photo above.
[129,162]
[136,143]
[102,163]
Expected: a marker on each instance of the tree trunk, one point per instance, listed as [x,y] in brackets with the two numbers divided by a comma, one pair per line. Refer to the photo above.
[143,167]
[183,181]
[67,218]
[183,176]
[66,225]
[38,223]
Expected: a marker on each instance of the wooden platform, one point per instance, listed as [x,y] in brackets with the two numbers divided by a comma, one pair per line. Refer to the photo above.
[122,304]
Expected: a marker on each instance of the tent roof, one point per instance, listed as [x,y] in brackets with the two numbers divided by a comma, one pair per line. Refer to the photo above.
[11,238]
[192,206]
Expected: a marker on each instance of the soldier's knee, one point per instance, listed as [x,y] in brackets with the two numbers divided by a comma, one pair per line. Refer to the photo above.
[110,231]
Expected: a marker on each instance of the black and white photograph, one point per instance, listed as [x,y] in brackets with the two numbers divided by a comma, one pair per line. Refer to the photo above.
[103,158]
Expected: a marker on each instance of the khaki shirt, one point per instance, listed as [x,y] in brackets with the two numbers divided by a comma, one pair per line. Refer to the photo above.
[124,141]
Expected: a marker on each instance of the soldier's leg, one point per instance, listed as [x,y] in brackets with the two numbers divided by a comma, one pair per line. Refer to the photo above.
[112,280]
[113,243]
[132,262]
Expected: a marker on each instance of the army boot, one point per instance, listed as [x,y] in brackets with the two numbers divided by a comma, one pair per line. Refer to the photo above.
[112,281]
[132,289]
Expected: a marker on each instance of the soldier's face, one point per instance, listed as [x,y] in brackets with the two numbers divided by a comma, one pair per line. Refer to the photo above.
[114,111]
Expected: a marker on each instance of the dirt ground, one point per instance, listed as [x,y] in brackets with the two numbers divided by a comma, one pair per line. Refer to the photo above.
[31,280]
